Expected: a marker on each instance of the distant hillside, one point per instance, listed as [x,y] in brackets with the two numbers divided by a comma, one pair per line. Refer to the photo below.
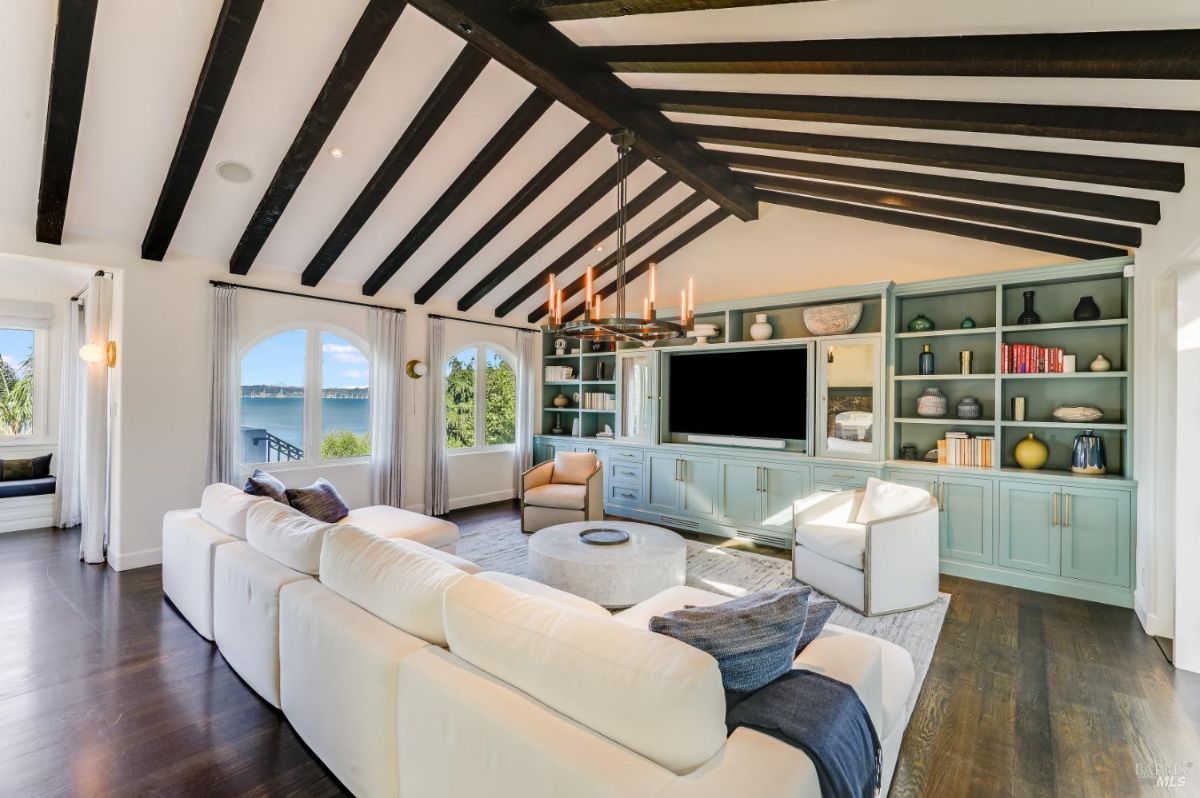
[296,392]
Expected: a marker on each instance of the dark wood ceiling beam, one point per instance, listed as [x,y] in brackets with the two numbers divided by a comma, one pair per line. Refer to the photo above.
[368,36]
[1083,203]
[68,79]
[564,159]
[231,36]
[996,235]
[1051,224]
[665,251]
[536,104]
[556,10]
[445,96]
[1143,54]
[641,239]
[539,53]
[1099,169]
[547,232]
[1169,128]
[589,242]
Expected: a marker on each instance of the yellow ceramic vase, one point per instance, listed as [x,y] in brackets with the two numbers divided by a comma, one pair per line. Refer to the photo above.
[1031,453]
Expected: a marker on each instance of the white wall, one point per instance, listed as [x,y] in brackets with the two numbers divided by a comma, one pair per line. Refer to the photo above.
[1185,553]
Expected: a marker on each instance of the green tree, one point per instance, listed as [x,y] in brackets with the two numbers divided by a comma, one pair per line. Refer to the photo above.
[344,443]
[500,409]
[460,402]
[16,396]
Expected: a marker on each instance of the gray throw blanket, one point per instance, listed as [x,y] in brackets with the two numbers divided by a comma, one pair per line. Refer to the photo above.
[822,717]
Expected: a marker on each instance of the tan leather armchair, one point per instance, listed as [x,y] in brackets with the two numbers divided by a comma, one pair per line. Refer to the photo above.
[568,488]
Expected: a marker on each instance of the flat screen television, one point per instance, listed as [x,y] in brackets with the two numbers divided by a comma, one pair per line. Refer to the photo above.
[759,393]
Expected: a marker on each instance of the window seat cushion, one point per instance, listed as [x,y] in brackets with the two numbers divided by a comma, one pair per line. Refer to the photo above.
[26,487]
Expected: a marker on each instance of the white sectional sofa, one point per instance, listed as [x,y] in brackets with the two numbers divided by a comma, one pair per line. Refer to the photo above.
[410,673]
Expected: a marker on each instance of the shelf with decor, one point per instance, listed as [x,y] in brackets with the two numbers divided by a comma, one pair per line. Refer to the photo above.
[952,422]
[944,377]
[959,332]
[1075,375]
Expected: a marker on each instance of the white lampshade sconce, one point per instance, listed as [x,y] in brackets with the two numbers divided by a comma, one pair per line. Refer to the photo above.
[416,369]
[99,353]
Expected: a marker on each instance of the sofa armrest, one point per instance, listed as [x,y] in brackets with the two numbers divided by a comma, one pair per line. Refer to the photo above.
[753,764]
[537,476]
[594,496]
[820,504]
[902,560]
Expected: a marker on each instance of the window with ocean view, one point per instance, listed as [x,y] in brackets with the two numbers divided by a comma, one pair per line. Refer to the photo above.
[304,398]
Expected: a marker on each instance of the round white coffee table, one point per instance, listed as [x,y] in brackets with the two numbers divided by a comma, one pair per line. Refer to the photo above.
[618,575]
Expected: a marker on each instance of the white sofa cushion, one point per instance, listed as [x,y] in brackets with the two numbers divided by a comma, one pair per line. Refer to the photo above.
[844,543]
[466,566]
[888,500]
[558,496]
[532,588]
[389,579]
[225,507]
[651,693]
[287,536]
[393,522]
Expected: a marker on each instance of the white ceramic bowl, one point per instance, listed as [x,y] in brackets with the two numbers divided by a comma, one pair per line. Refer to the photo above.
[836,319]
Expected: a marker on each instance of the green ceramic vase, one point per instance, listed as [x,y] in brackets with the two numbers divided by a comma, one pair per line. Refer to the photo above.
[920,324]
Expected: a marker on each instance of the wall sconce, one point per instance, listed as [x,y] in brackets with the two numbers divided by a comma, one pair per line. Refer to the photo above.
[95,353]
[416,369]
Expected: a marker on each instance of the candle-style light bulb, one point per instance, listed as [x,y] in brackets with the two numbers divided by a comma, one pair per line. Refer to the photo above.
[652,284]
[646,308]
[550,298]
[588,288]
[560,303]
[683,306]
[691,309]
[596,307]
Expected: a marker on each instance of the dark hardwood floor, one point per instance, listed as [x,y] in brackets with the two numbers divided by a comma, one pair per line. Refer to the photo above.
[106,691]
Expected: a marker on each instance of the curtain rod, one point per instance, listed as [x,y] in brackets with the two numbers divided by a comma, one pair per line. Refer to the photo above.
[79,293]
[223,284]
[484,323]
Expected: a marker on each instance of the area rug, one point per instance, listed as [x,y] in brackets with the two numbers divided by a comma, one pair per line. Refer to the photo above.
[501,546]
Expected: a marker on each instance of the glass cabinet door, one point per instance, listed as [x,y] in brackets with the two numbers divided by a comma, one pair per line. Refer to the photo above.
[848,418]
[639,393]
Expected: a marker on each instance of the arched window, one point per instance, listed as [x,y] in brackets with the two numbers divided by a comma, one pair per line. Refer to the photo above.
[304,398]
[481,399]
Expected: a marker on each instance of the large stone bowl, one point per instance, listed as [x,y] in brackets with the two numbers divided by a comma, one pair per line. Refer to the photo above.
[836,319]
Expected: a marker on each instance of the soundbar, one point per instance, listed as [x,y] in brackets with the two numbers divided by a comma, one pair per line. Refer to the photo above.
[733,440]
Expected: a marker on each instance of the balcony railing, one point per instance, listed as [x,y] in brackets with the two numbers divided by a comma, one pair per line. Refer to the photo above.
[261,446]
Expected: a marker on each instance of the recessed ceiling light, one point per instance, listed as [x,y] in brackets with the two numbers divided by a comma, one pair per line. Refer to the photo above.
[336,152]
[235,172]
[600,248]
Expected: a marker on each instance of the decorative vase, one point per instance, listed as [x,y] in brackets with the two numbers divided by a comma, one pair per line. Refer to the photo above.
[967,323]
[560,346]
[925,361]
[1101,363]
[908,451]
[1087,310]
[1087,455]
[761,329]
[969,408]
[1031,453]
[931,403]
[561,400]
[964,362]
[836,319]
[921,323]
[1029,315]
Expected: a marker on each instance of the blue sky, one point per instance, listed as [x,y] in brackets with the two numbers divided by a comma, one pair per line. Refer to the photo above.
[14,346]
[279,360]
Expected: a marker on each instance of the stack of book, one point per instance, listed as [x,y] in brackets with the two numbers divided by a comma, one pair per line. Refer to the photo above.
[560,374]
[599,401]
[1030,359]
[961,449]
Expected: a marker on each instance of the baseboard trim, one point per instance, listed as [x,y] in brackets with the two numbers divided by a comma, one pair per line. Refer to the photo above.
[1027,580]
[135,559]
[482,498]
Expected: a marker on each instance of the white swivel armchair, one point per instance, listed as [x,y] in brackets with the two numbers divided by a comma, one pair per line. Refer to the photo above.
[875,549]
[568,488]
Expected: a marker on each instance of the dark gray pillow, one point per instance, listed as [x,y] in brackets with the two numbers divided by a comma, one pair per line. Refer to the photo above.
[319,500]
[260,483]
[819,611]
[753,638]
[25,468]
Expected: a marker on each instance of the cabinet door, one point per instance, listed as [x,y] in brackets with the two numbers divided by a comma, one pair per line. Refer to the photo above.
[848,417]
[782,485]
[966,518]
[662,483]
[740,492]
[599,451]
[1030,534]
[636,396]
[915,479]
[701,482]
[1096,530]
[543,451]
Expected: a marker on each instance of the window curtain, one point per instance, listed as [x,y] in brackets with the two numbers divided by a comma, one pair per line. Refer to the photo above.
[437,490]
[223,428]
[526,405]
[94,446]
[70,419]
[386,334]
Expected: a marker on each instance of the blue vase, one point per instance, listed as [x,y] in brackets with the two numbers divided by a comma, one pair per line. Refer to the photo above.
[1087,456]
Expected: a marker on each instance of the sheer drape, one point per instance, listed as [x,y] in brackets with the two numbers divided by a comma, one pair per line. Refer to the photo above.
[224,386]
[70,419]
[526,405]
[94,447]
[386,334]
[437,490]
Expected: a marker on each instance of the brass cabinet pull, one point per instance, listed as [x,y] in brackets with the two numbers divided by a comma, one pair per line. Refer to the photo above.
[1066,509]
[942,498]
[1054,510]
[933,493]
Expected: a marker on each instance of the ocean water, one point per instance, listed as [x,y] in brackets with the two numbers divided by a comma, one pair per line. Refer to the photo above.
[284,418]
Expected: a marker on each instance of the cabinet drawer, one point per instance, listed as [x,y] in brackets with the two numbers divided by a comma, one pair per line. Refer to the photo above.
[621,493]
[840,477]
[622,471]
[623,455]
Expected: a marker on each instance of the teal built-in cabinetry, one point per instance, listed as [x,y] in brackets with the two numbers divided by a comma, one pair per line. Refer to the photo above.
[1050,529]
